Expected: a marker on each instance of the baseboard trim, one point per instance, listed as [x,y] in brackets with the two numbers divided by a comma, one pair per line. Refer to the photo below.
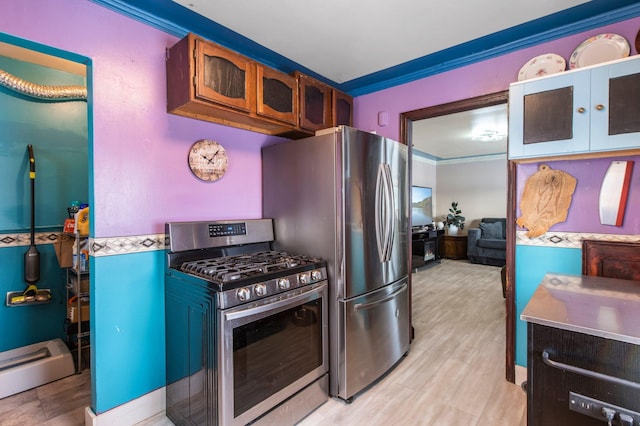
[132,412]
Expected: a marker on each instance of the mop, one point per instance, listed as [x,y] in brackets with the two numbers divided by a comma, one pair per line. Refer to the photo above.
[32,295]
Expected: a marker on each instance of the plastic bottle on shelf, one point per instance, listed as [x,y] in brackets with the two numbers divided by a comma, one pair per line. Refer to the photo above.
[82,221]
[73,208]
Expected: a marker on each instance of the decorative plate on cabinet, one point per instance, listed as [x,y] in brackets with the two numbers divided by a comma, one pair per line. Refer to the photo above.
[546,64]
[208,160]
[598,49]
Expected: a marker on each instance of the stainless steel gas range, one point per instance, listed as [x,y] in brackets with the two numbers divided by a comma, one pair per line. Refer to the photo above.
[246,326]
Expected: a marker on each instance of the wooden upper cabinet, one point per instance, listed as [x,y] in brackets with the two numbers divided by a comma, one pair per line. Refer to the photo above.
[224,76]
[277,95]
[208,82]
[342,109]
[315,103]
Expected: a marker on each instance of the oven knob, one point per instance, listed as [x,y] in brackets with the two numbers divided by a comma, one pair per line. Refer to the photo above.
[260,290]
[303,278]
[243,294]
[316,275]
[283,283]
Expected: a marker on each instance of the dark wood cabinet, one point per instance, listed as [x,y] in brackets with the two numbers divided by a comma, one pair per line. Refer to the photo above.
[454,246]
[208,82]
[550,381]
[613,259]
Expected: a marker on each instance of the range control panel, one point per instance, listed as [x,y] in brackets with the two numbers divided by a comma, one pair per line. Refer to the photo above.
[227,229]
[608,413]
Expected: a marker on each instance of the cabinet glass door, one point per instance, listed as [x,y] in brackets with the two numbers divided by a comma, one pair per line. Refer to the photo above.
[314,103]
[615,106]
[223,77]
[277,95]
[549,116]
[342,109]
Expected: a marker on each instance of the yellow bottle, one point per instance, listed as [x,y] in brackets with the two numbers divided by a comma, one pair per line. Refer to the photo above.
[82,221]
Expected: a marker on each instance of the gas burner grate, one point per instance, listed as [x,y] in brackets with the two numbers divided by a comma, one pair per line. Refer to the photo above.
[234,268]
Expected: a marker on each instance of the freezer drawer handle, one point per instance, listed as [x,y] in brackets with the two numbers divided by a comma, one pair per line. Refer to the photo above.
[362,306]
[588,373]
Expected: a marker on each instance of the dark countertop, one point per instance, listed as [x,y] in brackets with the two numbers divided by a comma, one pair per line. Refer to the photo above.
[603,307]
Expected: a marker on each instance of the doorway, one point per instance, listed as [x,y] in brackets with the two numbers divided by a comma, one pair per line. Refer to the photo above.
[407,120]
[41,109]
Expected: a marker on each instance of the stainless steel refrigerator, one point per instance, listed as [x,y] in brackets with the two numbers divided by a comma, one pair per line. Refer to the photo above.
[344,196]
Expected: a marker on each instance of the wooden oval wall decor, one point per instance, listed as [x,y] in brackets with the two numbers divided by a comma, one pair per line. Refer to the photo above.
[208,160]
[545,200]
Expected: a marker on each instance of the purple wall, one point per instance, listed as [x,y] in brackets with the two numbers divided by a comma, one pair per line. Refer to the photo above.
[486,77]
[583,213]
[141,178]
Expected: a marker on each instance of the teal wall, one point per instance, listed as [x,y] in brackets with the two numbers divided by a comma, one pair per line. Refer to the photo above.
[127,327]
[24,325]
[58,133]
[532,263]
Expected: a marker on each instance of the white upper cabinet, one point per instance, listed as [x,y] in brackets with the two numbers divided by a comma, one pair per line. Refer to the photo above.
[590,109]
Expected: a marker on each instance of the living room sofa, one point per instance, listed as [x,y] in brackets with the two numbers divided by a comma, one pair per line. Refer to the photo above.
[487,244]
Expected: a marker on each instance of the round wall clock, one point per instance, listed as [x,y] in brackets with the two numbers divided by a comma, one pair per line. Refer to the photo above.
[208,160]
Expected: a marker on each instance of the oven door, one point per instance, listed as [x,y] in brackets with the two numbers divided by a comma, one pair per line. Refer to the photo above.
[269,350]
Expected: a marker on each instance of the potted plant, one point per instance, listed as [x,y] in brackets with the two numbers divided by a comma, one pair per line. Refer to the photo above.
[454,220]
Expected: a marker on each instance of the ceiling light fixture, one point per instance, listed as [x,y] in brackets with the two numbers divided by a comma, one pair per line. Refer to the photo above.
[487,136]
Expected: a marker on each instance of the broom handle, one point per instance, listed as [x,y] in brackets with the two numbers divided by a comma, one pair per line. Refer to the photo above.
[32,178]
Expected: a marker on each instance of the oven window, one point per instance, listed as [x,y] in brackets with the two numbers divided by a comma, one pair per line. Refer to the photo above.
[271,353]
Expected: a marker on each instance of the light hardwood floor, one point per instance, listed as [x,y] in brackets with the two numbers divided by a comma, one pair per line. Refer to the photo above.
[59,403]
[453,374]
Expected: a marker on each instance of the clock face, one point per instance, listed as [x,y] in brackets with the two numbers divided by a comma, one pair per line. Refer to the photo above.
[208,160]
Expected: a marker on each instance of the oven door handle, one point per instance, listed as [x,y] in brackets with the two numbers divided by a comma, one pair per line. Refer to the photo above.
[308,295]
[362,306]
[587,373]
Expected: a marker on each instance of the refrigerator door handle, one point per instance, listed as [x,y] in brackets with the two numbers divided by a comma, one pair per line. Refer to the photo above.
[384,212]
[368,305]
[390,211]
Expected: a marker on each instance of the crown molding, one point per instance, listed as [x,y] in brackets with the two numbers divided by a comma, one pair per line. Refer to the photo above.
[180,21]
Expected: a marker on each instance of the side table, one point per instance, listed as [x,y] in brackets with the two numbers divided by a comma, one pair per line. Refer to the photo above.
[455,246]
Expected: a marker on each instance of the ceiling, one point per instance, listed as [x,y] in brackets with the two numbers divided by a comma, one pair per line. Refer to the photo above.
[451,136]
[344,40]
[362,46]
